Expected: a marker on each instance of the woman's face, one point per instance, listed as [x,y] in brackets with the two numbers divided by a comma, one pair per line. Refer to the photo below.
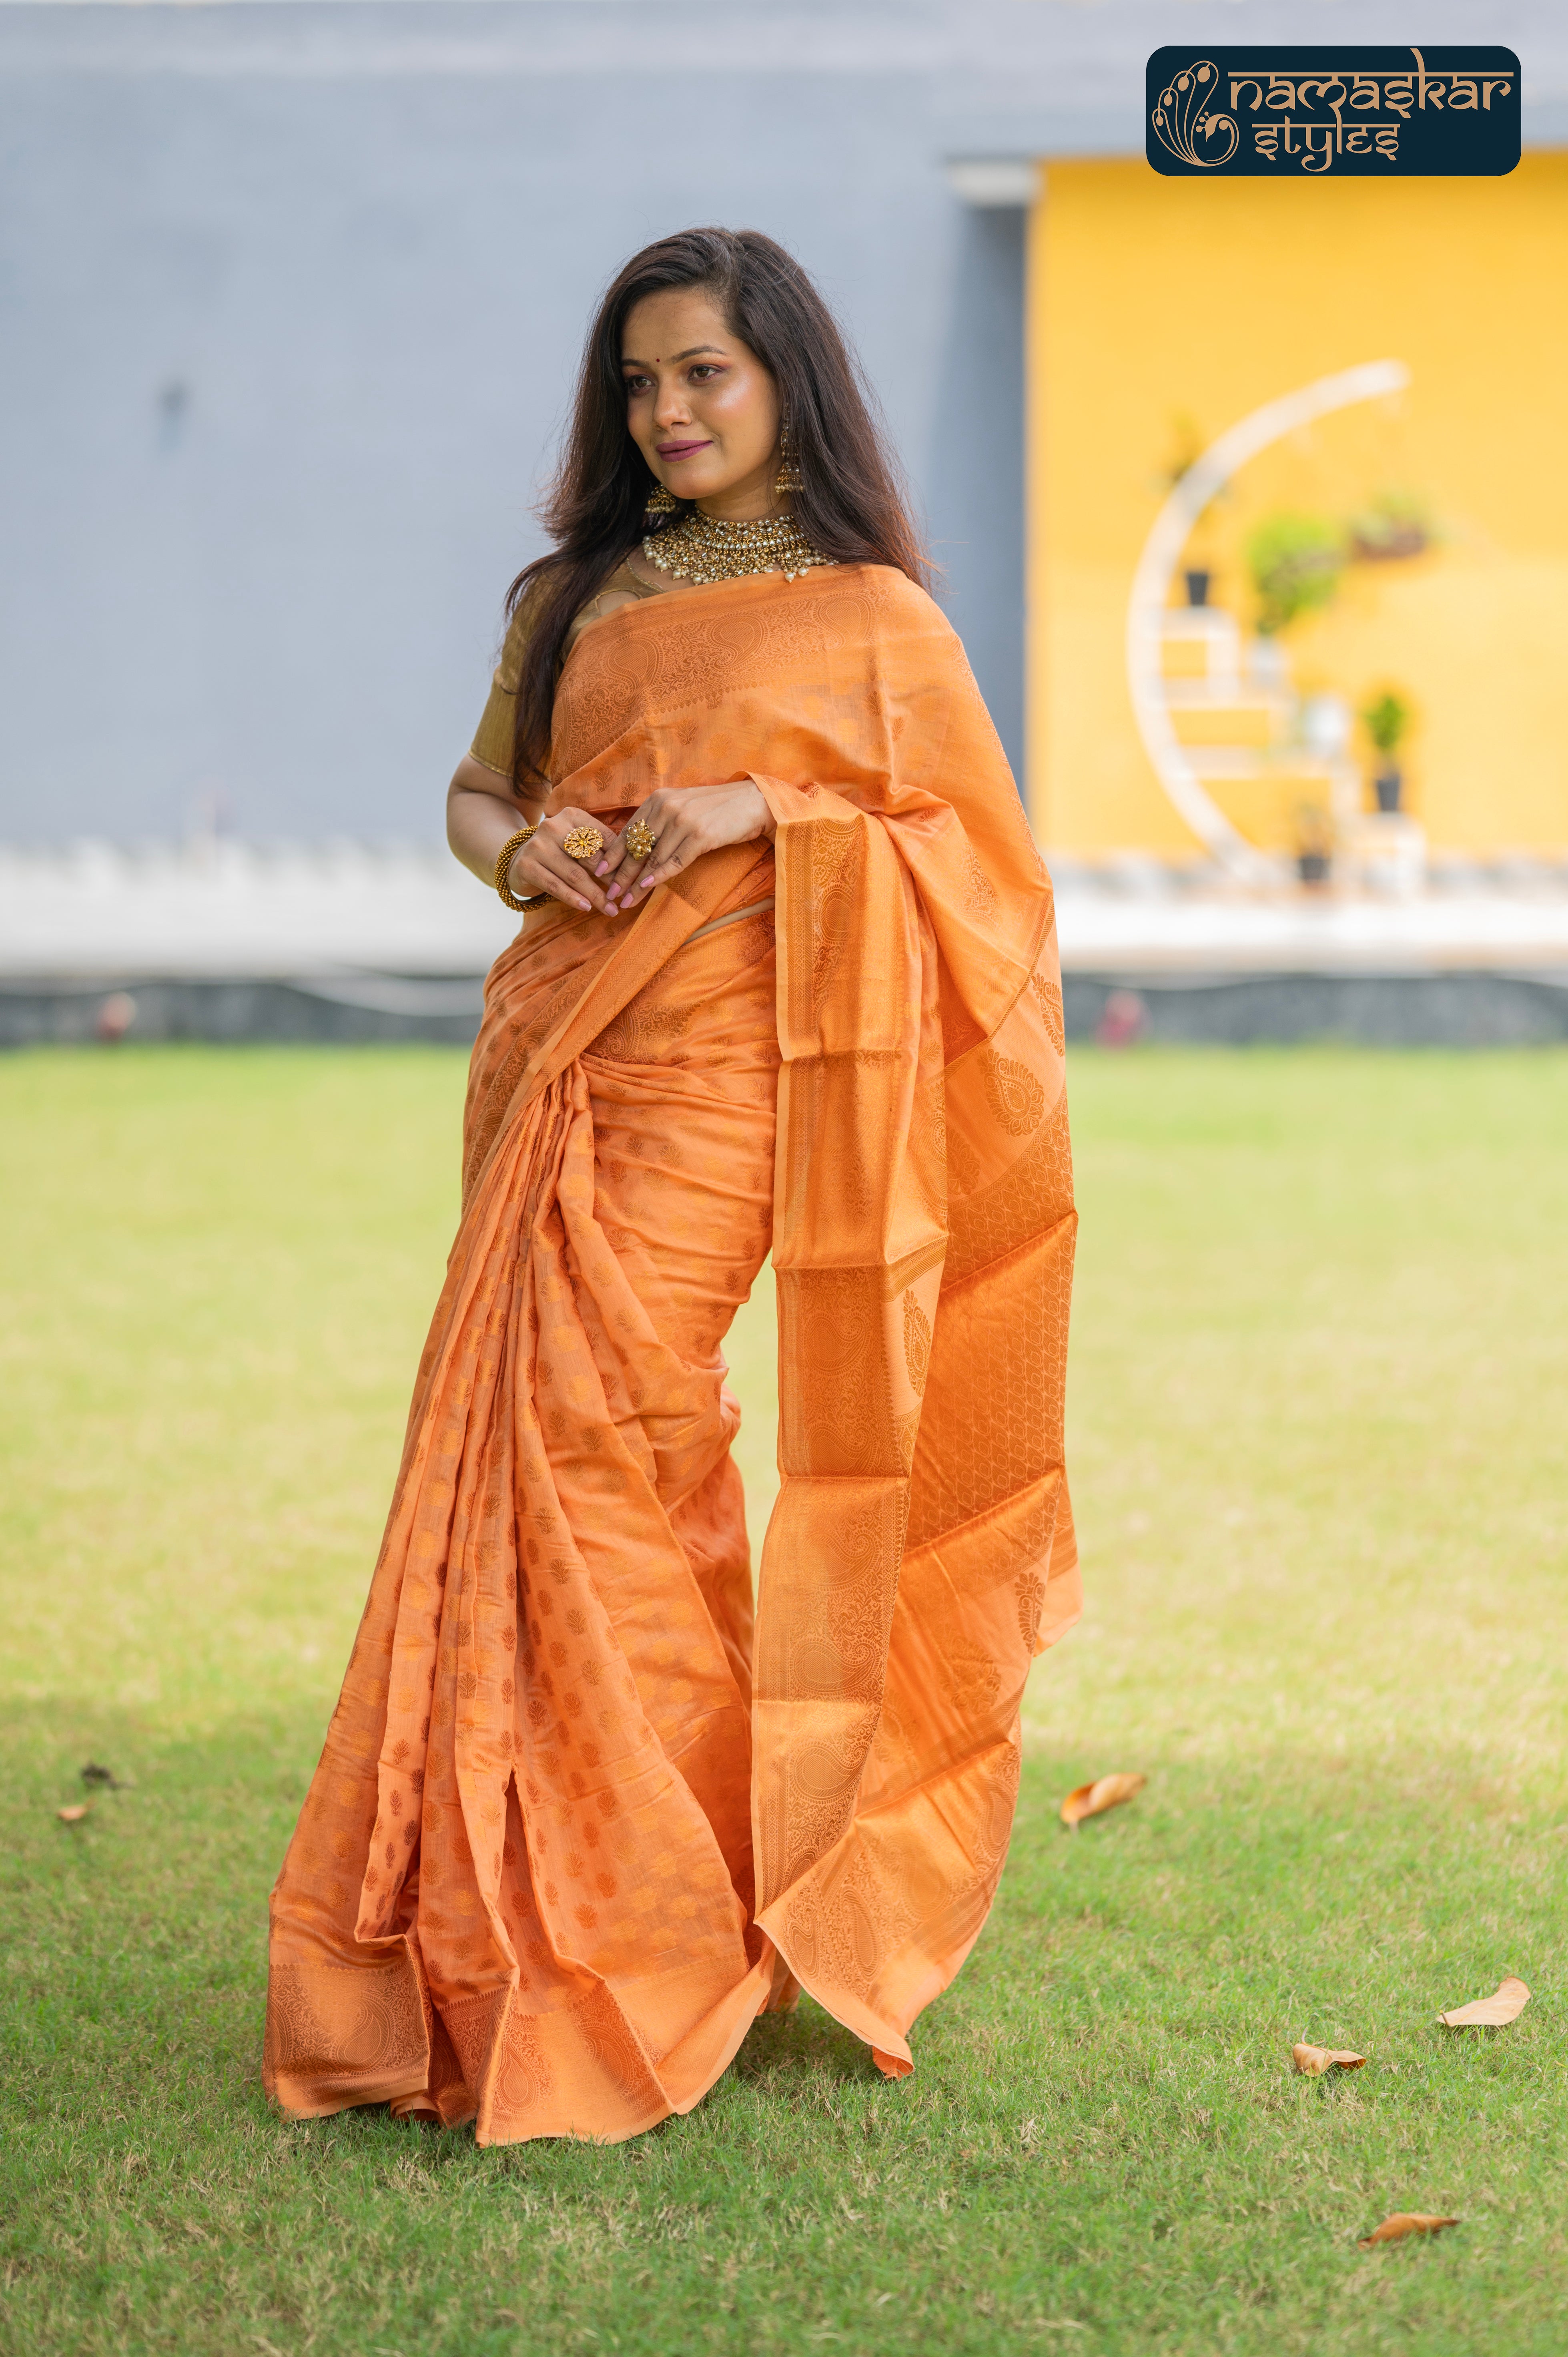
[700,406]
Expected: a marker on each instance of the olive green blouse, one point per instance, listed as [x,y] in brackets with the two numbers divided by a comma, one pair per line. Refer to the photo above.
[492,744]
[493,739]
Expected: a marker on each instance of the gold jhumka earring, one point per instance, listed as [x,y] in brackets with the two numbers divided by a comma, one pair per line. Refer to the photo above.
[789,477]
[660,502]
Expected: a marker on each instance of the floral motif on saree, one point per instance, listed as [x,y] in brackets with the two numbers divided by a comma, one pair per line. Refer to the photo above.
[577,1820]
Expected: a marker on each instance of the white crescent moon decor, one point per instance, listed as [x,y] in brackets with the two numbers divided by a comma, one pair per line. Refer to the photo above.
[1156,568]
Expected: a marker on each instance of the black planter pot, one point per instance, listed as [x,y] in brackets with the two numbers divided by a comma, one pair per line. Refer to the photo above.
[1389,784]
[1312,866]
[1197,584]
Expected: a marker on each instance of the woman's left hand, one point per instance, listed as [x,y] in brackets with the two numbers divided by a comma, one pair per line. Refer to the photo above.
[684,821]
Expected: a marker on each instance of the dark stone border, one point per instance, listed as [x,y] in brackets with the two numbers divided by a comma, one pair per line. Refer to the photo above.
[343,1010]
[1385,1010]
[1418,1010]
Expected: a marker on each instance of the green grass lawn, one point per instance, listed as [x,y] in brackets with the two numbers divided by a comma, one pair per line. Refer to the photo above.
[1319,1411]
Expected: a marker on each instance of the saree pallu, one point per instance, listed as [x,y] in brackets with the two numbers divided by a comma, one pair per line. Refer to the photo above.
[577,1823]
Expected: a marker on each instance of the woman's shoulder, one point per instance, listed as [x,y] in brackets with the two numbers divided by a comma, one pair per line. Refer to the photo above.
[621,586]
[895,594]
[903,609]
[624,586]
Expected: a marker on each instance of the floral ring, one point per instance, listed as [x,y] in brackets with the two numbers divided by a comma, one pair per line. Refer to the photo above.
[641,838]
[584,843]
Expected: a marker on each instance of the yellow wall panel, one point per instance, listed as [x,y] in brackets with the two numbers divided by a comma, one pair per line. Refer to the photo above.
[1163,311]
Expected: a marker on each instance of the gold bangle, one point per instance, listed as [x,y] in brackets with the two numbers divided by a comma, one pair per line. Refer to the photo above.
[504,858]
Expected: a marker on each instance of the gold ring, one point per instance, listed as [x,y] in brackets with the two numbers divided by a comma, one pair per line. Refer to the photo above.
[584,843]
[641,838]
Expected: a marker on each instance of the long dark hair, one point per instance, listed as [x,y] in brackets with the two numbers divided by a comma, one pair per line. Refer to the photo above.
[850,504]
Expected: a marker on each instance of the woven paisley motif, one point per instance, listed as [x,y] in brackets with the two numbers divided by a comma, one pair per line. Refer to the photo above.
[615,2052]
[964,1173]
[294,2034]
[907,1431]
[916,1342]
[1015,1096]
[836,854]
[353,2022]
[523,2079]
[470,2025]
[639,1033]
[1049,992]
[979,895]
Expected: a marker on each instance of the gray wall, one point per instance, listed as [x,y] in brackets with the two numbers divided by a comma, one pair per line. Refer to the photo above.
[290,296]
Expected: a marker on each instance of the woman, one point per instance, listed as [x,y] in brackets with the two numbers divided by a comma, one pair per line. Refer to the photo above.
[789,985]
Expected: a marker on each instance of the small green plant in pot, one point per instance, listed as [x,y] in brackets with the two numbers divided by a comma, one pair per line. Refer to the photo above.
[1187,444]
[1313,844]
[1385,719]
[1296,563]
[1392,528]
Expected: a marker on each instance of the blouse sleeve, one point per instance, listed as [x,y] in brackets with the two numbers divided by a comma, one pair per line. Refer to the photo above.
[492,744]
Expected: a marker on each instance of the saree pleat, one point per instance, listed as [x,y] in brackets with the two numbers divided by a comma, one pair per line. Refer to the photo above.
[576,1822]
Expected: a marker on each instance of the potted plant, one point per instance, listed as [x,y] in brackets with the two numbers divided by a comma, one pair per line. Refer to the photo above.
[1392,528]
[1385,719]
[1313,844]
[1295,562]
[1188,442]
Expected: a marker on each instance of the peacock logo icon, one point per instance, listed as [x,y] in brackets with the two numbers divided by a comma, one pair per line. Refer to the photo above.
[1183,116]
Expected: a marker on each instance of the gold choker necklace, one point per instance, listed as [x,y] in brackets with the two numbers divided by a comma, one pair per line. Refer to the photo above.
[709,548]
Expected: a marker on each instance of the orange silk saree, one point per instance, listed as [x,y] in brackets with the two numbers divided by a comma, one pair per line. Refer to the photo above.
[577,1820]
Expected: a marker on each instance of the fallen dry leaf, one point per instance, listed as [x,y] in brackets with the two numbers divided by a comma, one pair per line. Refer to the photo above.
[1105,1793]
[1315,2060]
[75,1813]
[1404,2223]
[1490,2012]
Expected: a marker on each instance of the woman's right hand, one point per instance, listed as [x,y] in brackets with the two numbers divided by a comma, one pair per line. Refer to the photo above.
[543,865]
